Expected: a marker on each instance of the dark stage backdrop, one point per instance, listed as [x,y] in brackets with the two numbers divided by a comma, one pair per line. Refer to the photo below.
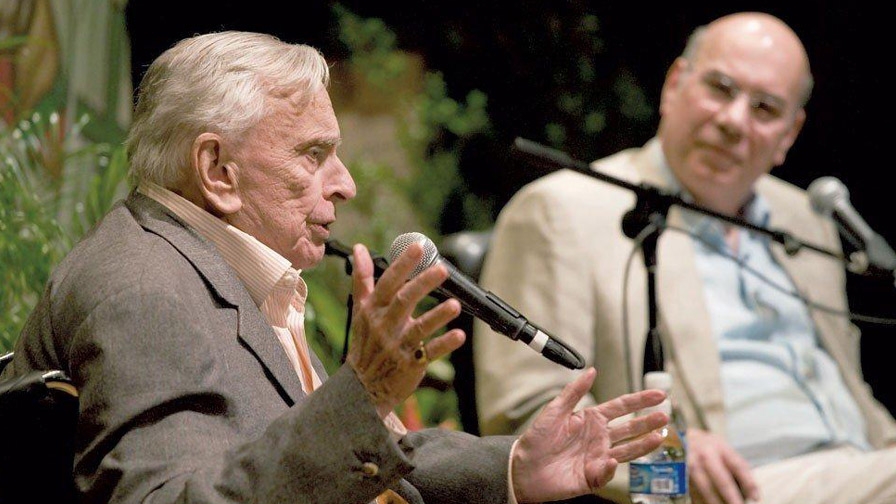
[511,50]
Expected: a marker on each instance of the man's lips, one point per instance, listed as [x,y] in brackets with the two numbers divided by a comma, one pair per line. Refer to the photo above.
[321,227]
[722,153]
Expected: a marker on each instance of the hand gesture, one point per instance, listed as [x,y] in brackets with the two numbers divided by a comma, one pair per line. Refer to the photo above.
[717,473]
[389,351]
[565,454]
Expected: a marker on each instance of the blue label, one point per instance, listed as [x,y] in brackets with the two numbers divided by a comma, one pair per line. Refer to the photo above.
[658,478]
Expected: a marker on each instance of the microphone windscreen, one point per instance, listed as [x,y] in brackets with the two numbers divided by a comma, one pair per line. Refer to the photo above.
[403,241]
[825,193]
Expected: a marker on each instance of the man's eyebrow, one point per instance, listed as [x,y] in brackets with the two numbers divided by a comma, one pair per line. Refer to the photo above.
[319,142]
[773,99]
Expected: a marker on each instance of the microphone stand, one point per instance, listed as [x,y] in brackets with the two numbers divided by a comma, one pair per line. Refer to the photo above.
[647,220]
[651,208]
[338,249]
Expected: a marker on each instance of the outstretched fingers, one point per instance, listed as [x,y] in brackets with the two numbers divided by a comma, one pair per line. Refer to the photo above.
[572,393]
[432,321]
[644,443]
[630,403]
[396,275]
[362,272]
[410,295]
[393,279]
[637,435]
[636,426]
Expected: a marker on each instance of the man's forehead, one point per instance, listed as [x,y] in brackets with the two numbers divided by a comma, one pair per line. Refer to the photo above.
[314,117]
[771,74]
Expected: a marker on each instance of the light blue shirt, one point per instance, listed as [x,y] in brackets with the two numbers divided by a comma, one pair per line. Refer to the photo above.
[784,395]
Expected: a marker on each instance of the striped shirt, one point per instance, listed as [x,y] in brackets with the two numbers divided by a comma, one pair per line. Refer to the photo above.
[279,292]
[276,287]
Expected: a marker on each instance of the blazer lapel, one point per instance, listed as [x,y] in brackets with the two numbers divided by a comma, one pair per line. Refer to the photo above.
[690,348]
[685,322]
[804,269]
[253,330]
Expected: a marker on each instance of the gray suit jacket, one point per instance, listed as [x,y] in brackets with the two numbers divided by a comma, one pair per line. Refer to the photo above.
[187,396]
[558,255]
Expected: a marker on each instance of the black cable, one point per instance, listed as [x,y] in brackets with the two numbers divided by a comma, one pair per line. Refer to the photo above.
[348,328]
[639,239]
[626,347]
[784,290]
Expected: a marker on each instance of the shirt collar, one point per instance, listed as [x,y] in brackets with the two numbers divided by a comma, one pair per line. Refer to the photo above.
[260,268]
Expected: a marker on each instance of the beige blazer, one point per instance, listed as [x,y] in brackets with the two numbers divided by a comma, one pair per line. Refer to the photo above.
[559,256]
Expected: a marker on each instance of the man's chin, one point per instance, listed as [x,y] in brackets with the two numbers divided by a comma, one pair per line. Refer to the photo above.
[308,256]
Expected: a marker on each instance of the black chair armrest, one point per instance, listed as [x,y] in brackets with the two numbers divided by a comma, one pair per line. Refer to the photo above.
[38,419]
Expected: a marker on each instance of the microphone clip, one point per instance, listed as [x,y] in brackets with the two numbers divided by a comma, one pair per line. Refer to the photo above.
[333,247]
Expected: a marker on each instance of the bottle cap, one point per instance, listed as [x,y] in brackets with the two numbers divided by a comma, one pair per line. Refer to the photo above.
[658,380]
[663,381]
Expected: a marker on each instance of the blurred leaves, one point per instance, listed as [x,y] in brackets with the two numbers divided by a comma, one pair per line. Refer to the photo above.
[31,242]
[430,126]
[54,186]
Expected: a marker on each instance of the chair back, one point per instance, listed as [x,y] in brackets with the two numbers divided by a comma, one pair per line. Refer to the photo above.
[5,359]
[38,418]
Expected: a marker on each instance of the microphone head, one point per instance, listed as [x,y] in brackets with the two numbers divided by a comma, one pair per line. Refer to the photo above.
[826,193]
[403,241]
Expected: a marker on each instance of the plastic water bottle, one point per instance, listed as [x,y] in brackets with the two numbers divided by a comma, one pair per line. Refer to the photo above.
[661,477]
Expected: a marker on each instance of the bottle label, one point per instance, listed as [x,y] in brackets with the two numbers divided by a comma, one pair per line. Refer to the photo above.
[658,478]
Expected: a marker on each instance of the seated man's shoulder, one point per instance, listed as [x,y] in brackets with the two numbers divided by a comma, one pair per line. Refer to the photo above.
[563,186]
[577,191]
[776,187]
[118,259]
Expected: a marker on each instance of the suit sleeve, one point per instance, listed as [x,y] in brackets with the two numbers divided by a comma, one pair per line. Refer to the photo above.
[163,417]
[453,467]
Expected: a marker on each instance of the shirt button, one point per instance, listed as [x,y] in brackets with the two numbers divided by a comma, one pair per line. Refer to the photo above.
[370,469]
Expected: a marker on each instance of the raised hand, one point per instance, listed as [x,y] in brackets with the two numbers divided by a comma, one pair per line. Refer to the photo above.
[389,351]
[564,454]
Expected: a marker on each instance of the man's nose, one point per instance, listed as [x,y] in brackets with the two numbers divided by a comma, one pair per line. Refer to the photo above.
[341,185]
[733,117]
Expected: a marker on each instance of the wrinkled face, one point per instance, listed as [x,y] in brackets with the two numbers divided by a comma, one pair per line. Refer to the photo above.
[289,179]
[731,113]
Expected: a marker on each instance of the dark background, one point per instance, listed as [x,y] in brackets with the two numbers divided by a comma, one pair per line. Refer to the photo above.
[523,55]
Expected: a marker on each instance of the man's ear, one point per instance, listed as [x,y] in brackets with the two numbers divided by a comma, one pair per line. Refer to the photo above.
[215,178]
[673,82]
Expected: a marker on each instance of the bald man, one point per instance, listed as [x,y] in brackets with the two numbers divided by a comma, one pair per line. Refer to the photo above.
[769,385]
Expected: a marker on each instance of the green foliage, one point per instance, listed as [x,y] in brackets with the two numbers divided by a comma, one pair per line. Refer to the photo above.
[430,127]
[372,47]
[54,186]
[432,139]
[31,242]
[434,127]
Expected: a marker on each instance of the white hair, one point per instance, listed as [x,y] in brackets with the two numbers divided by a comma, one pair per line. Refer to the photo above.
[218,82]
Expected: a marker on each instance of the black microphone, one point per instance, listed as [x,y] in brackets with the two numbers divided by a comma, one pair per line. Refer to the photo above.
[830,198]
[486,306]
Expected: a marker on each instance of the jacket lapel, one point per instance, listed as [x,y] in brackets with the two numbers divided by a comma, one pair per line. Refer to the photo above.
[690,348]
[805,270]
[685,322]
[252,329]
